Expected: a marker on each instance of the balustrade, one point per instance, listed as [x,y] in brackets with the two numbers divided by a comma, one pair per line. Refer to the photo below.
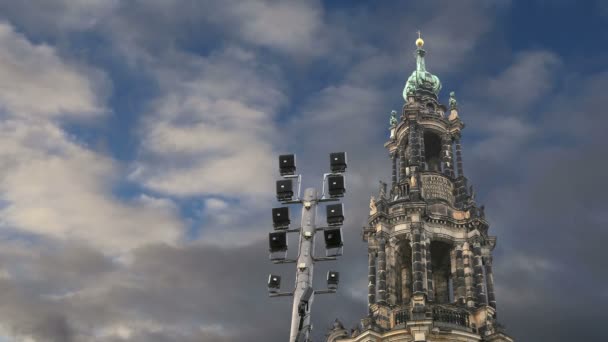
[451,316]
[402,316]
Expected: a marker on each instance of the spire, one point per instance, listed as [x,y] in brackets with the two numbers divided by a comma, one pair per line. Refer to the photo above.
[419,41]
[421,80]
[420,54]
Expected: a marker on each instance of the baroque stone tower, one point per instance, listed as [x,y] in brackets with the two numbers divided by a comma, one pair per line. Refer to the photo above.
[430,254]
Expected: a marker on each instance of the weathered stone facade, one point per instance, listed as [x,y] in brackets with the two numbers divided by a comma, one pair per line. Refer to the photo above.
[430,255]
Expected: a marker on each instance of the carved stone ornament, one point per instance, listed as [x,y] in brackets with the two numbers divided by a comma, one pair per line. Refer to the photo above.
[382,190]
[453,102]
[372,206]
[393,120]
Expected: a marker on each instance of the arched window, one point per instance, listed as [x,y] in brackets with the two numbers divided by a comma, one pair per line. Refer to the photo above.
[404,275]
[440,263]
[432,151]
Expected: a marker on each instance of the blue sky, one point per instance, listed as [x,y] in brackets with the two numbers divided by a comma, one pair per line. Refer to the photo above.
[138,143]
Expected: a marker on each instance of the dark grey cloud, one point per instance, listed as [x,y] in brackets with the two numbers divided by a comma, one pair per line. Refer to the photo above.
[164,293]
[544,195]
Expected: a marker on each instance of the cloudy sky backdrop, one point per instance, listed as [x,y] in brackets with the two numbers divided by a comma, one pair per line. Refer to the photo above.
[138,143]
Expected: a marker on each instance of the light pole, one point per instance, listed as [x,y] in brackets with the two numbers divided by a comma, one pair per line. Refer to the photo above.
[303,293]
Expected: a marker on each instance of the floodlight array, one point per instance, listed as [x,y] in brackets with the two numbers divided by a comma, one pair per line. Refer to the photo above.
[288,192]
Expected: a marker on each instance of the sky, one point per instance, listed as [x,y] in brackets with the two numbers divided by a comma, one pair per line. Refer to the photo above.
[139,144]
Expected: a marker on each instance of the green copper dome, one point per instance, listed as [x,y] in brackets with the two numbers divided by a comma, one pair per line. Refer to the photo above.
[421,80]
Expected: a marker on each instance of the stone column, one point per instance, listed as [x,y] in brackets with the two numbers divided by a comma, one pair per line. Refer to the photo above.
[468,276]
[429,271]
[402,164]
[459,157]
[423,252]
[417,266]
[394,176]
[446,155]
[414,143]
[382,271]
[406,275]
[453,275]
[422,157]
[460,282]
[460,185]
[371,277]
[391,276]
[490,281]
[478,271]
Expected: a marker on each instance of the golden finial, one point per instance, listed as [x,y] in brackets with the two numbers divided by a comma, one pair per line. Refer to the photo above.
[419,41]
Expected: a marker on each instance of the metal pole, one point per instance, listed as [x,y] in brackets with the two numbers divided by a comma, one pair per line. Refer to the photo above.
[305,265]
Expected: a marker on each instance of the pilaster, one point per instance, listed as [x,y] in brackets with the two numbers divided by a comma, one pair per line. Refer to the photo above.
[447,155]
[468,276]
[420,132]
[371,277]
[478,273]
[391,273]
[459,165]
[429,270]
[490,281]
[418,267]
[382,271]
[394,170]
[402,163]
[460,277]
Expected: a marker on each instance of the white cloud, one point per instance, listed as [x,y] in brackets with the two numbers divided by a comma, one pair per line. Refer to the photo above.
[58,16]
[504,137]
[34,81]
[50,184]
[530,77]
[292,26]
[499,104]
[216,204]
[55,187]
[212,130]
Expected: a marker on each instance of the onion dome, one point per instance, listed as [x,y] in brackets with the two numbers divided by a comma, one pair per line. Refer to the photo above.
[421,81]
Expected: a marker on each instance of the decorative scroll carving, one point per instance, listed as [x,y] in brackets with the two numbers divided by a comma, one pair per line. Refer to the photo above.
[372,206]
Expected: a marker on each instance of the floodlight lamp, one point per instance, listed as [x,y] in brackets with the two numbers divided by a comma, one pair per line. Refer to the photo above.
[274,283]
[337,162]
[280,218]
[277,241]
[287,164]
[333,238]
[284,190]
[333,278]
[335,185]
[307,235]
[302,266]
[335,214]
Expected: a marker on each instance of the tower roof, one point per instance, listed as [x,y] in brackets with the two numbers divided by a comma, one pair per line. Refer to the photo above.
[421,81]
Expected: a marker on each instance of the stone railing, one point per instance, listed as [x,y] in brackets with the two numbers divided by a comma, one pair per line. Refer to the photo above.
[402,316]
[452,316]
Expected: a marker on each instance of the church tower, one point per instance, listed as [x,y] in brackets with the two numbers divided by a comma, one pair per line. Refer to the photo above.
[430,253]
